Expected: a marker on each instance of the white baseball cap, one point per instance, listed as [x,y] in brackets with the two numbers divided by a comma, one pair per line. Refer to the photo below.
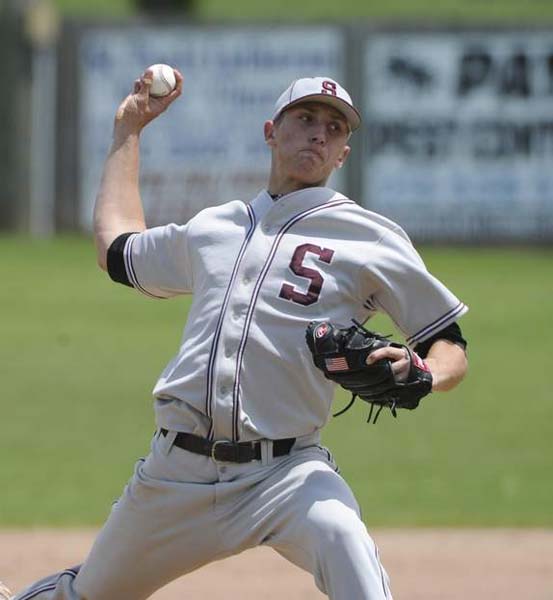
[319,89]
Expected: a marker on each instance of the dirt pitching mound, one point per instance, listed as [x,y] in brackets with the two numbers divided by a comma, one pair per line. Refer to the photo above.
[423,564]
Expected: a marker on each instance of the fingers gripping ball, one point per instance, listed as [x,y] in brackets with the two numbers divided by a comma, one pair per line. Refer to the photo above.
[163,80]
[341,354]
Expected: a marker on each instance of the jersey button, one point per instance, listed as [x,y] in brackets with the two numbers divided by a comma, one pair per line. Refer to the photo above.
[266,228]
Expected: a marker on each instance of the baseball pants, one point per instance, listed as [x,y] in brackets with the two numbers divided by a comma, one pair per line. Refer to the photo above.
[181,511]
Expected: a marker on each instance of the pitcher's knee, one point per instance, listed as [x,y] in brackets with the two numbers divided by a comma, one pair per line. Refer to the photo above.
[336,526]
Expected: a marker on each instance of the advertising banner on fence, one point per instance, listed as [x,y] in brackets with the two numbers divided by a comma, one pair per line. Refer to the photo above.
[458,135]
[209,147]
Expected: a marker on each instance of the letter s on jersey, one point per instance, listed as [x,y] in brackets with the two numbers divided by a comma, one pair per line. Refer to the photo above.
[288,292]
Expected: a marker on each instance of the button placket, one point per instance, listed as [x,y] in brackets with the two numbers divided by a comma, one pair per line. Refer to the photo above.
[232,331]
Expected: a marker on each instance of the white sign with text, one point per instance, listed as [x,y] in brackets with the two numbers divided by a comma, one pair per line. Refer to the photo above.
[458,137]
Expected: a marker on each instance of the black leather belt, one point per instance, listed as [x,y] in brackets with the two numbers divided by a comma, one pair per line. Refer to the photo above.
[225,451]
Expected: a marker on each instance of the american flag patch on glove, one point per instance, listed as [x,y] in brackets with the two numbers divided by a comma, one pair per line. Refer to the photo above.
[338,363]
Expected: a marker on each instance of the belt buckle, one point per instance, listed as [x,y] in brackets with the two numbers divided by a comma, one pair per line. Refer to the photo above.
[220,444]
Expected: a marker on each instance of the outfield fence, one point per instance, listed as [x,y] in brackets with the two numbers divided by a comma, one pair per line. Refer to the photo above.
[456,141]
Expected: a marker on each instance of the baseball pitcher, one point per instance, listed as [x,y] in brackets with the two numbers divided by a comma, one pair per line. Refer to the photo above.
[282,284]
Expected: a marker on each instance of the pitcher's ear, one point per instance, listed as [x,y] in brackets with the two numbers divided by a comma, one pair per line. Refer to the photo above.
[269,132]
[342,158]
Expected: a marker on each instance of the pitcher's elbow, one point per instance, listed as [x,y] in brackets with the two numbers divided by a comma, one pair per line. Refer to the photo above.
[101,255]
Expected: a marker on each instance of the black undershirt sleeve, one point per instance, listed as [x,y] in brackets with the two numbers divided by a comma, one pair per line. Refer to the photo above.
[451,332]
[116,261]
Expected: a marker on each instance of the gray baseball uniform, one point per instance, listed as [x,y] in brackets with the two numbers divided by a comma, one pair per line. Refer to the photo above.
[243,377]
[259,273]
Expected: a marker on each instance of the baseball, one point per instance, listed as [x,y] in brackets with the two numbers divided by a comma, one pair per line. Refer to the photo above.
[163,80]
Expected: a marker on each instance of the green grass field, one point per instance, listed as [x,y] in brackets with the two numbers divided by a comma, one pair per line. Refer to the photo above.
[449,11]
[79,357]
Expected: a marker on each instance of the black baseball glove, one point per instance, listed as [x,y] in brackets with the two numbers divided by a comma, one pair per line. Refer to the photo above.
[341,355]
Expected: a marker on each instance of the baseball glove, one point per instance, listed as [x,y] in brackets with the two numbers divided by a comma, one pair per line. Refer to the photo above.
[341,355]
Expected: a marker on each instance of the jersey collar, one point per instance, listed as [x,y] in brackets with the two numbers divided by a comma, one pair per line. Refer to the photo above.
[292,203]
